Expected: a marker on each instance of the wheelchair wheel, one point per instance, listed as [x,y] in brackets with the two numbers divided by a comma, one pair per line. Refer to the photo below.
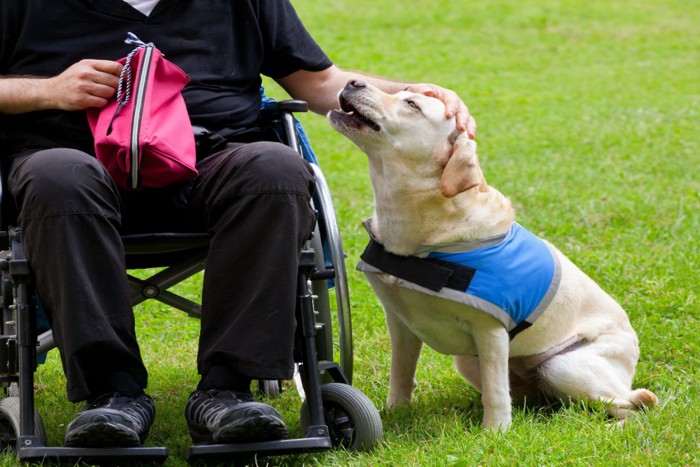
[352,419]
[323,201]
[9,424]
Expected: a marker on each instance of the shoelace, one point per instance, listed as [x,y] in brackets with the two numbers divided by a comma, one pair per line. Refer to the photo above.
[137,407]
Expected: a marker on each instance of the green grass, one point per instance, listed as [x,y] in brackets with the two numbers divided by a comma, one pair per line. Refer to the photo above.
[588,117]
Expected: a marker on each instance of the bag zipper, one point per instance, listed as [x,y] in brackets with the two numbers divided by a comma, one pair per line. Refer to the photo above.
[135,149]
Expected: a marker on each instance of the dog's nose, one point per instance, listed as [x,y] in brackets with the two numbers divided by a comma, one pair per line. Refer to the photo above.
[356,83]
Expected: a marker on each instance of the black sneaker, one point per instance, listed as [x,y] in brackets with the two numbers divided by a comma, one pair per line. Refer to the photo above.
[227,417]
[112,420]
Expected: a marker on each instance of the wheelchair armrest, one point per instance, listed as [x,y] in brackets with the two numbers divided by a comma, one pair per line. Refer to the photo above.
[290,105]
[280,116]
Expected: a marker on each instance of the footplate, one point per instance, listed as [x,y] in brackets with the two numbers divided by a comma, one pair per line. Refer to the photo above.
[98,456]
[223,452]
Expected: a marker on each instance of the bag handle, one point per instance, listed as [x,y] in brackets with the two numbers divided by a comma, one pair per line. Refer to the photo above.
[124,87]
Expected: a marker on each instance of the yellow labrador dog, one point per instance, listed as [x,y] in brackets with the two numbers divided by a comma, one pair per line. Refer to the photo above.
[453,269]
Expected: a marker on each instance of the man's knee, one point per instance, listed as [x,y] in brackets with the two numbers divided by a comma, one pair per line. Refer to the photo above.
[281,167]
[63,181]
[264,167]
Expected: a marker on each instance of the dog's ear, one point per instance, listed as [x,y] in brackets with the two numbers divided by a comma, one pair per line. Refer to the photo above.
[461,166]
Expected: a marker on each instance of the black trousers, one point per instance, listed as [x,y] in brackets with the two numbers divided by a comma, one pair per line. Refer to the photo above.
[254,200]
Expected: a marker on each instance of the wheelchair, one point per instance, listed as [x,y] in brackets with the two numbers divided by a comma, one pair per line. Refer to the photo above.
[333,414]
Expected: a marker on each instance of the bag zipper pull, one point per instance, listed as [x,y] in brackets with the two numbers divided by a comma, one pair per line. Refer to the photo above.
[124,91]
[133,39]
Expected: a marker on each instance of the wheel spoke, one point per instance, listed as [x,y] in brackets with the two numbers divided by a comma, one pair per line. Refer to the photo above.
[340,425]
[8,437]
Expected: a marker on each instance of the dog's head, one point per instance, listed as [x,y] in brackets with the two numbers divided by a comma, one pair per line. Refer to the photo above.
[412,130]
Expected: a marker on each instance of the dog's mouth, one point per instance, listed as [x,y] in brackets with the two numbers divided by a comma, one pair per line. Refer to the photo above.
[356,114]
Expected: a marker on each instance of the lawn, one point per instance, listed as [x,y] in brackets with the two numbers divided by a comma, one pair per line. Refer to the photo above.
[588,116]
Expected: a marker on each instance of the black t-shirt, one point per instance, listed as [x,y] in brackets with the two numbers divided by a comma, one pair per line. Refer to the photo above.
[223,45]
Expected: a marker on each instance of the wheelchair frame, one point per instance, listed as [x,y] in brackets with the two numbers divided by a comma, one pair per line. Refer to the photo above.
[333,414]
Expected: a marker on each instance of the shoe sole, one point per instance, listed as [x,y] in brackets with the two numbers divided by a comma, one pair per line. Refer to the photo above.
[102,435]
[250,430]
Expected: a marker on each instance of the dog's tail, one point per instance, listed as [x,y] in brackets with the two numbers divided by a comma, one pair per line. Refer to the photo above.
[637,400]
[643,398]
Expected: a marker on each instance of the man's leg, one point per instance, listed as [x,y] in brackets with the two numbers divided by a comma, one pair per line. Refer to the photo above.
[69,211]
[256,200]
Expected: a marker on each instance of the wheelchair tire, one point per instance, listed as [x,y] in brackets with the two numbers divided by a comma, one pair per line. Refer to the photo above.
[352,419]
[322,201]
[270,387]
[9,424]
[6,301]
[322,303]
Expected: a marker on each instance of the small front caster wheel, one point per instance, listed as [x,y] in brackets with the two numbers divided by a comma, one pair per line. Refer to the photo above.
[352,419]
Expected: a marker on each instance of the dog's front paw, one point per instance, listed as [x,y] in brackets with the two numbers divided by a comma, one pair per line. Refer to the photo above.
[497,420]
[394,401]
[400,391]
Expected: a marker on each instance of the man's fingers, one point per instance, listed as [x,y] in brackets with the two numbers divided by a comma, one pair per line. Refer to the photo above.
[471,127]
[106,66]
[454,106]
[101,90]
[88,83]
[103,72]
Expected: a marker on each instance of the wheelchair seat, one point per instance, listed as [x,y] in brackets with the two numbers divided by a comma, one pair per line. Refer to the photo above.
[167,242]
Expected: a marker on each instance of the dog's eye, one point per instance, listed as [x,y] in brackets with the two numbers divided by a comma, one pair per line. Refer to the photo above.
[412,104]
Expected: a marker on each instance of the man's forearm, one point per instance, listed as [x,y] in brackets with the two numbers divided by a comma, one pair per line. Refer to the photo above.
[88,83]
[23,94]
[320,89]
[386,85]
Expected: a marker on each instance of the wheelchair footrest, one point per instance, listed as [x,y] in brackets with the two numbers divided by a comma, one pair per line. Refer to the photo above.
[99,456]
[221,452]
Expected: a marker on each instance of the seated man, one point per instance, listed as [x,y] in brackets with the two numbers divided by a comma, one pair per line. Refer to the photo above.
[252,195]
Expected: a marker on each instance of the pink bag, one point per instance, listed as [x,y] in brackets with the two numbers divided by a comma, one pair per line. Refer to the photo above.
[144,136]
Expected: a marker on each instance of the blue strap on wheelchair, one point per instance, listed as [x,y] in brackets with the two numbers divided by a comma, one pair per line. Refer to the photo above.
[306,149]
[42,325]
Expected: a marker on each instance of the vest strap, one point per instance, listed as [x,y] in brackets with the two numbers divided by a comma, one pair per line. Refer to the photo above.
[431,273]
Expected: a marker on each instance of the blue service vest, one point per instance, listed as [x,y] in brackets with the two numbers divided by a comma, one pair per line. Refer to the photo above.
[513,277]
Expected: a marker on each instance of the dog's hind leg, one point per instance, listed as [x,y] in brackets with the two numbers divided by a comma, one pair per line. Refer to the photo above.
[599,371]
[405,350]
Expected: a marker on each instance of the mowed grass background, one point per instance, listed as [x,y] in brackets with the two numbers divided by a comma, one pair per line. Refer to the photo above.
[588,117]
